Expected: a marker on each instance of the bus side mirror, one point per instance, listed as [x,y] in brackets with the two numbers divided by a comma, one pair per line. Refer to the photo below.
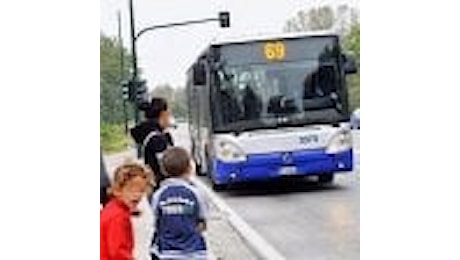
[199,74]
[349,64]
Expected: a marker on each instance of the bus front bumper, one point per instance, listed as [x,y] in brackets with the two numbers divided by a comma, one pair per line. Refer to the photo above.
[276,165]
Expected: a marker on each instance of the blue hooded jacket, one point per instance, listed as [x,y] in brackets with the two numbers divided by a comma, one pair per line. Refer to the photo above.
[178,208]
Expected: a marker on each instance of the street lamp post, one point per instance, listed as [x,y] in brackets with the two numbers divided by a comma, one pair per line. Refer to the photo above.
[223,18]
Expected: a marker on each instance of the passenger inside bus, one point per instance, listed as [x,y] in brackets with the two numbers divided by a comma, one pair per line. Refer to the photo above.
[320,88]
[311,85]
[252,104]
[320,83]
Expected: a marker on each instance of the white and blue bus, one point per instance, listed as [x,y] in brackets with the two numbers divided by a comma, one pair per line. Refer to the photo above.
[271,107]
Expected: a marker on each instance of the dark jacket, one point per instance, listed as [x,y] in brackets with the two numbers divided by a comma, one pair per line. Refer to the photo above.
[104,183]
[154,147]
[178,207]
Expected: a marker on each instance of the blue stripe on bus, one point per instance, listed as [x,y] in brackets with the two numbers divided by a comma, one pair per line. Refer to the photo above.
[267,166]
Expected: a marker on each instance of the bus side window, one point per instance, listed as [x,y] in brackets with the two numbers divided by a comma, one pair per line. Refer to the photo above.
[199,74]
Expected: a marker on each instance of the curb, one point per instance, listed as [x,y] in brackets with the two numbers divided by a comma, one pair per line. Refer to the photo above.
[259,245]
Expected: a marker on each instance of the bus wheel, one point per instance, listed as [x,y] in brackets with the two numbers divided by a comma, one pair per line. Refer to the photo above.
[325,178]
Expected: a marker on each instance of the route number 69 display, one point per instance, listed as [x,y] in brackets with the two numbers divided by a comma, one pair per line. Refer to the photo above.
[274,51]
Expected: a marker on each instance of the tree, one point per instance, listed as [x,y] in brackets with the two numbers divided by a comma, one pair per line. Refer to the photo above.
[165,91]
[321,18]
[111,101]
[176,98]
[112,136]
[352,40]
[180,107]
[351,44]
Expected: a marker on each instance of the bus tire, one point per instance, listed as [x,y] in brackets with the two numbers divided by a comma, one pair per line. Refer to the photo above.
[326,178]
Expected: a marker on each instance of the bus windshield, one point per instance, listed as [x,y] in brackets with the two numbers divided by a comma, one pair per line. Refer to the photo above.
[285,93]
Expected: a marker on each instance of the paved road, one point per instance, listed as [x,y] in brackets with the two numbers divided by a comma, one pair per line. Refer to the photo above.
[301,220]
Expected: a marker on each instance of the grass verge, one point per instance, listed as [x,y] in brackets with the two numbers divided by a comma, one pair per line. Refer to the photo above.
[113,138]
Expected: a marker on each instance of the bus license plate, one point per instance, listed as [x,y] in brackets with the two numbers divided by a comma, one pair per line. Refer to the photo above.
[288,170]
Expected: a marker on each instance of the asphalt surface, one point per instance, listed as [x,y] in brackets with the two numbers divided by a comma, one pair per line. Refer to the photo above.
[297,217]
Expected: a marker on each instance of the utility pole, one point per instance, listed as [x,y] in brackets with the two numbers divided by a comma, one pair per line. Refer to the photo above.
[122,70]
[134,68]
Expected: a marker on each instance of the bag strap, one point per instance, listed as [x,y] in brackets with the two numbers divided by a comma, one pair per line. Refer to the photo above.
[148,138]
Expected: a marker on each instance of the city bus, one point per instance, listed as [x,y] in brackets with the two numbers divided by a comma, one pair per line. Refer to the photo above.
[269,107]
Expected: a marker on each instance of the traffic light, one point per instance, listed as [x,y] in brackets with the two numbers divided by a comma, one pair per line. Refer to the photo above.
[141,90]
[224,19]
[135,91]
[126,88]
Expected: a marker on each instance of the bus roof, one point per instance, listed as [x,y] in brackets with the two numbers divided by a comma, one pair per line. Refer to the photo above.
[248,38]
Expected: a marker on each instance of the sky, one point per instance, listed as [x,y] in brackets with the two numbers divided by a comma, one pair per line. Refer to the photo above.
[164,55]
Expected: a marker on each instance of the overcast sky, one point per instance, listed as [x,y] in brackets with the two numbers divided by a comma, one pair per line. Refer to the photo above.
[164,55]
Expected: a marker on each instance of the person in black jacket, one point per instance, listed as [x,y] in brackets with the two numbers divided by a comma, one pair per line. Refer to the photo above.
[152,134]
[104,184]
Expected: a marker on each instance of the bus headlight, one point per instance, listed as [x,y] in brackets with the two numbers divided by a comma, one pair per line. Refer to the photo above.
[341,142]
[229,152]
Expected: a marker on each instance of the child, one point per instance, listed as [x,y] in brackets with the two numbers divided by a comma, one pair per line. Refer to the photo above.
[179,210]
[116,236]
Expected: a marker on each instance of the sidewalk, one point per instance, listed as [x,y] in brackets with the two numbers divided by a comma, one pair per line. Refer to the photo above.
[224,242]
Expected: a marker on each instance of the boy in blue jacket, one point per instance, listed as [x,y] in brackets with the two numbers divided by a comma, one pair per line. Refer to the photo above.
[180,211]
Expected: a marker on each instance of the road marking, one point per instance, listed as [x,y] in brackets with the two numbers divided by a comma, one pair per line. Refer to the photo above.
[261,247]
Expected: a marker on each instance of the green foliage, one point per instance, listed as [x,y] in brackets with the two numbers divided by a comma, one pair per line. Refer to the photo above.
[352,40]
[111,101]
[351,44]
[353,86]
[113,138]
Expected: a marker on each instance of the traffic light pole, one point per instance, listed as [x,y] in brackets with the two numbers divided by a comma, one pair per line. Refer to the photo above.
[224,19]
[151,28]
[134,68]
[122,69]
